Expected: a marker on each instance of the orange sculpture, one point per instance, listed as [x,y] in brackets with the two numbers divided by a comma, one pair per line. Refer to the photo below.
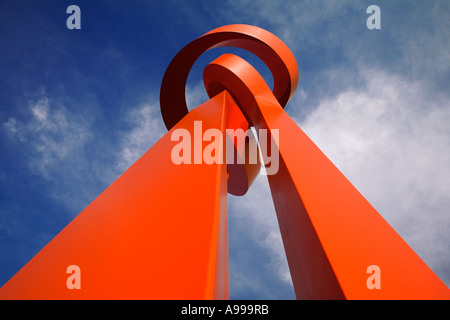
[160,230]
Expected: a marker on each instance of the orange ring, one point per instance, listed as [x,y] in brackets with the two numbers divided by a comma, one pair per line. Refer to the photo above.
[269,48]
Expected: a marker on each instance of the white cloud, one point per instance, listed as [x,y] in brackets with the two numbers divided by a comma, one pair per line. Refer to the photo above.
[50,134]
[58,144]
[292,20]
[195,95]
[147,128]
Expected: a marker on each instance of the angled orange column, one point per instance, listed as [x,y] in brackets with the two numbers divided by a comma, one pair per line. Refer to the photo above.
[158,232]
[331,233]
[332,236]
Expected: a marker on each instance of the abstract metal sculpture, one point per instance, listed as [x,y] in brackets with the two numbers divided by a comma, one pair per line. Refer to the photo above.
[160,230]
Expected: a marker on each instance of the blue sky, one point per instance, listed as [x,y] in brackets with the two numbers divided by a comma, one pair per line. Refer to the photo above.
[78,107]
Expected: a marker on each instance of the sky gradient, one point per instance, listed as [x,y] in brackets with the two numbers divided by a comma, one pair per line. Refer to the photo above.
[78,107]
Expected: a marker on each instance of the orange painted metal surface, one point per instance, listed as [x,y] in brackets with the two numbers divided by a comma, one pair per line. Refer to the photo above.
[160,230]
[331,234]
[269,48]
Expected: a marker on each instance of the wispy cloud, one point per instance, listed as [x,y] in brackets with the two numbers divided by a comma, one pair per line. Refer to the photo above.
[55,143]
[51,134]
[147,128]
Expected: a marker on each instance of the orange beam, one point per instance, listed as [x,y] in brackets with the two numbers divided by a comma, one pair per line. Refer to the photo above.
[158,232]
[331,234]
